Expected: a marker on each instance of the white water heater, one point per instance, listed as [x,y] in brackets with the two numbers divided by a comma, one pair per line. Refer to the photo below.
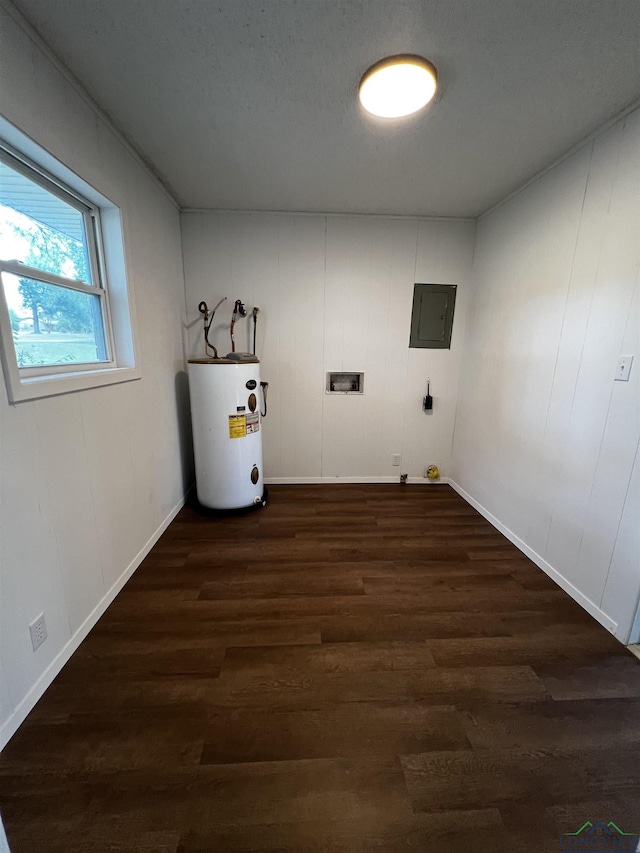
[227,438]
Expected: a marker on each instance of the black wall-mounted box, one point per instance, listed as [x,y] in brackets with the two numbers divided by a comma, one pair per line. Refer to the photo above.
[432,315]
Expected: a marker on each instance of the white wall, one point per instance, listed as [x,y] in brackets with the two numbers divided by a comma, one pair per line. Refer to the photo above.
[87,478]
[545,439]
[335,294]
[4,845]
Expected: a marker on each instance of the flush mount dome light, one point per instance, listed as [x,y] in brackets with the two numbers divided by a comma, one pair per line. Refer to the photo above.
[398,86]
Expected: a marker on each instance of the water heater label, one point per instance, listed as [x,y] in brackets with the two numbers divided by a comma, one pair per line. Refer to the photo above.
[253,422]
[237,426]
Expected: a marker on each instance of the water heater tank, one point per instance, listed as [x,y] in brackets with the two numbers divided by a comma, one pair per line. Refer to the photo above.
[227,437]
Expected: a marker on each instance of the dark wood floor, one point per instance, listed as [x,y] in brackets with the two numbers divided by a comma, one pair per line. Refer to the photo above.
[351,669]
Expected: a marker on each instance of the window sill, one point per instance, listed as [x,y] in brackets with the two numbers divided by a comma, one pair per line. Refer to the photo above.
[52,385]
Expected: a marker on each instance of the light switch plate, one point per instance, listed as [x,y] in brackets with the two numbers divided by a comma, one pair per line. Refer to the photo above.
[624,368]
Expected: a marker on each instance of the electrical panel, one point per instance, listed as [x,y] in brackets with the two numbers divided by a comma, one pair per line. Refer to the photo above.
[432,315]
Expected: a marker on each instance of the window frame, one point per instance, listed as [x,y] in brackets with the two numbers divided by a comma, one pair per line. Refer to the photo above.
[105,253]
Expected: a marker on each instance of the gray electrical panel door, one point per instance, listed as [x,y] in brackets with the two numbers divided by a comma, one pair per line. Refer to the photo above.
[432,315]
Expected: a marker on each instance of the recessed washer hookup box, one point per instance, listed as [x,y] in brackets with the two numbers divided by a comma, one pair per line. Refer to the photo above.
[345,383]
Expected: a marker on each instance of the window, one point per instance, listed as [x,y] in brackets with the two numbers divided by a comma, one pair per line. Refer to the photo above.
[62,279]
[51,275]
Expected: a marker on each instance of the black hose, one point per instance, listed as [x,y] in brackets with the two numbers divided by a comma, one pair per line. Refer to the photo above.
[265,387]
[238,311]
[203,309]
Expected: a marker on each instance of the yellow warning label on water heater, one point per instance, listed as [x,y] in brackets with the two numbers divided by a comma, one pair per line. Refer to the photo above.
[237,426]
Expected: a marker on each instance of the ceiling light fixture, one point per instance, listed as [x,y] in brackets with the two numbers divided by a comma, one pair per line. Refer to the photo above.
[398,86]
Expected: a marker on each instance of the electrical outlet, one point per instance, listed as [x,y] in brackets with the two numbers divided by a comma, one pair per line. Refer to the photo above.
[38,631]
[395,459]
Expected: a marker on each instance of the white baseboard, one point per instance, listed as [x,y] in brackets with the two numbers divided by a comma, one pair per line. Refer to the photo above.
[13,722]
[301,481]
[4,844]
[591,608]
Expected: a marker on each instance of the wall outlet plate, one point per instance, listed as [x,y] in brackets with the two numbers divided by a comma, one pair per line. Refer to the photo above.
[38,631]
[624,368]
[395,459]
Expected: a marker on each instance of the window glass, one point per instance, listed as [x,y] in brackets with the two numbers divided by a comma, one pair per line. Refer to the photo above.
[52,324]
[40,229]
[65,324]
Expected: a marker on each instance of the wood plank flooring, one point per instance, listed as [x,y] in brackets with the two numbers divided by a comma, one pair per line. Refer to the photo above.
[350,669]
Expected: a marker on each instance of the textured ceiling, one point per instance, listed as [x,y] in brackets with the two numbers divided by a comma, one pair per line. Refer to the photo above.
[252,104]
